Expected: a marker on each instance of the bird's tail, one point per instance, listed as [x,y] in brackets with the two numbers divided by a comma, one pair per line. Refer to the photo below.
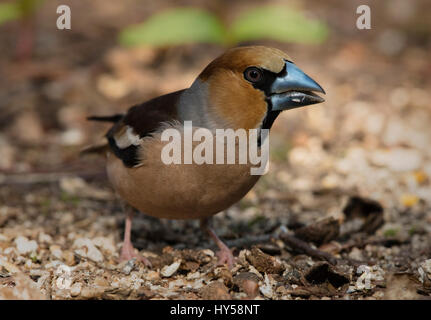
[103,147]
[113,118]
[95,148]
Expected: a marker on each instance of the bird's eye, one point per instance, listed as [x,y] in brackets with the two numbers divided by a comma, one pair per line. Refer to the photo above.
[253,74]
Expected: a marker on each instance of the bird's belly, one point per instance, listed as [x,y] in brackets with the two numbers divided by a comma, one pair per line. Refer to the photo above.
[179,191]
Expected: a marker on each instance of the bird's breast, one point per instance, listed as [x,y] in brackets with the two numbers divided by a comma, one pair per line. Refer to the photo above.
[180,190]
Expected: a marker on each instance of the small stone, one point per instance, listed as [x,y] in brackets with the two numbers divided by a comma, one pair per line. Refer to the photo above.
[53,264]
[72,137]
[72,185]
[208,252]
[330,181]
[44,238]
[356,254]
[75,290]
[25,246]
[193,275]
[152,276]
[112,87]
[105,244]
[92,292]
[426,265]
[101,282]
[169,270]
[8,266]
[68,257]
[368,277]
[267,288]
[128,267]
[56,251]
[88,249]
[77,187]
[425,271]
[28,264]
[23,289]
[398,159]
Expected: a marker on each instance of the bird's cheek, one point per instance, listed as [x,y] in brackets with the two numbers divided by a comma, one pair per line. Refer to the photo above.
[239,107]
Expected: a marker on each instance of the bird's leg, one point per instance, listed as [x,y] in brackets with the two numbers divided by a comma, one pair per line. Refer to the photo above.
[225,256]
[127,250]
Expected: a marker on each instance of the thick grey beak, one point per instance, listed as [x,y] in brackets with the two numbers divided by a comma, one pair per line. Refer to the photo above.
[294,89]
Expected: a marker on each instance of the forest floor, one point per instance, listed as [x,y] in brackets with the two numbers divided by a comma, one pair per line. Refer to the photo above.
[350,177]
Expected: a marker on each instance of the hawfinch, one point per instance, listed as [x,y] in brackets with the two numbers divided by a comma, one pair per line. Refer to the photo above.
[245,88]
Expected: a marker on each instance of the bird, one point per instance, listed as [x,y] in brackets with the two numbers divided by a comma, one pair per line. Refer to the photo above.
[246,87]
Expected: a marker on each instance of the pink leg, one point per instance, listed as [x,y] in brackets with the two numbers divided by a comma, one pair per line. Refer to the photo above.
[128,251]
[225,256]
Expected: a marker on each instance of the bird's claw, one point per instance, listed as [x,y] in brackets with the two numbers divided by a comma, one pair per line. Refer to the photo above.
[225,257]
[128,253]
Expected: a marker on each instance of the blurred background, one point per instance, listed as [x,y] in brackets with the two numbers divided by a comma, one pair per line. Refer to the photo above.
[373,127]
[371,138]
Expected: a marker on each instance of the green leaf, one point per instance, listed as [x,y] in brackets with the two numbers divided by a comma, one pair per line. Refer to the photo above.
[174,27]
[28,7]
[8,12]
[14,10]
[278,23]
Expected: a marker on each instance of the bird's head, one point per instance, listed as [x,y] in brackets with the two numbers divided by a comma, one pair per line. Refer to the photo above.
[247,87]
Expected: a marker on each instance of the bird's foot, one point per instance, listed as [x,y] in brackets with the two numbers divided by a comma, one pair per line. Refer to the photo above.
[128,253]
[225,256]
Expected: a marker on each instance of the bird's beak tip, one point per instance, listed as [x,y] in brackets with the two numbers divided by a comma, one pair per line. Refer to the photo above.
[321,89]
[295,89]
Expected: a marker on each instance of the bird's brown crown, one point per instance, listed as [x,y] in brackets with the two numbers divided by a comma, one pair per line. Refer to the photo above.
[238,59]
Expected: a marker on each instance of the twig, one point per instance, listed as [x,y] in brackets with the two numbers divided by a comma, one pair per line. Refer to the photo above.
[243,242]
[35,178]
[303,247]
[249,240]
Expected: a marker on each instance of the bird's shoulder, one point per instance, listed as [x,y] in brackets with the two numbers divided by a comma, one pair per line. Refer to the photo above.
[141,121]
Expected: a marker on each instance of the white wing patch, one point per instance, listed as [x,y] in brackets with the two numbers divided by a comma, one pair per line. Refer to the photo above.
[127,137]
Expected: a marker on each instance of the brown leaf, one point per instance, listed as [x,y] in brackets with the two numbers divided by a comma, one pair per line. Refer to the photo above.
[264,262]
[323,271]
[369,211]
[320,232]
[215,291]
